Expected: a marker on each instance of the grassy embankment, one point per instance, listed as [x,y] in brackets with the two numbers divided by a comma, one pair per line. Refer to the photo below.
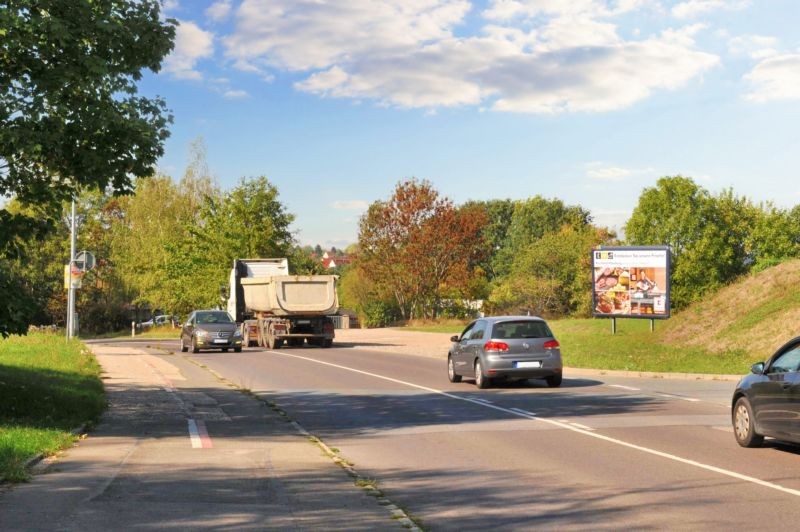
[48,387]
[725,333]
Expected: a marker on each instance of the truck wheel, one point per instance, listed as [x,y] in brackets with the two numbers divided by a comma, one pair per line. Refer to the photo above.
[274,343]
[327,343]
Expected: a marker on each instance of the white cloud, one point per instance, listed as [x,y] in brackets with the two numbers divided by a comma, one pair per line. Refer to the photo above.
[510,9]
[602,171]
[407,53]
[191,45]
[350,205]
[609,173]
[694,8]
[308,34]
[219,11]
[171,5]
[775,78]
[755,46]
[235,94]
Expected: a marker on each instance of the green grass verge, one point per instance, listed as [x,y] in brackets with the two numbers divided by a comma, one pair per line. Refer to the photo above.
[588,343]
[48,386]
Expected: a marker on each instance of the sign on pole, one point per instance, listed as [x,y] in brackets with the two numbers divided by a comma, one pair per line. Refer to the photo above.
[77,275]
[85,261]
[631,282]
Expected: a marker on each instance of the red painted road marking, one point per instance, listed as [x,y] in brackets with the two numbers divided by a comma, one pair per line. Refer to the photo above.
[198,435]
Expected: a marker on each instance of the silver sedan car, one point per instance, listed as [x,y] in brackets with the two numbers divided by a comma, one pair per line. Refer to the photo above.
[505,347]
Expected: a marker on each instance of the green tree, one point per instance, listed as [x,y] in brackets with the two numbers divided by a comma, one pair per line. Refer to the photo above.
[711,237]
[552,275]
[774,237]
[248,221]
[152,223]
[531,220]
[70,116]
[498,214]
[358,292]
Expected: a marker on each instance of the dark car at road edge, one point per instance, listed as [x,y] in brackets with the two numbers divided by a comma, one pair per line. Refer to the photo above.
[210,329]
[767,401]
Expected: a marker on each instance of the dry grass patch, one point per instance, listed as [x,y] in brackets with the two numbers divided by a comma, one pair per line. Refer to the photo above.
[757,315]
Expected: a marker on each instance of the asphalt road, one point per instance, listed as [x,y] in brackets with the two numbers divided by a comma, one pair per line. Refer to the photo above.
[599,453]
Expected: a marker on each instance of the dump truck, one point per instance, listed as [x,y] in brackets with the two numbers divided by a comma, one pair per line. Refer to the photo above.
[275,308]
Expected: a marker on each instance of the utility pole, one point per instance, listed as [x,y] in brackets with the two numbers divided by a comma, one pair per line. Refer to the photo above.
[71,296]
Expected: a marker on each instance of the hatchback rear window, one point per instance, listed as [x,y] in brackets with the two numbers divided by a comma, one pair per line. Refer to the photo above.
[521,329]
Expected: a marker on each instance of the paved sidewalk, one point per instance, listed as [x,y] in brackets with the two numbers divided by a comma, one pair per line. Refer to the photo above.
[177,449]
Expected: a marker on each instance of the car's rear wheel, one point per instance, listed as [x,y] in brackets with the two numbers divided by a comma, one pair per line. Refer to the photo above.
[554,381]
[184,347]
[237,349]
[744,427]
[195,349]
[452,376]
[481,380]
[224,349]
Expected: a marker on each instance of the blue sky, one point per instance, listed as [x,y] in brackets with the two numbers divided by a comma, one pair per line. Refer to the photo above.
[588,101]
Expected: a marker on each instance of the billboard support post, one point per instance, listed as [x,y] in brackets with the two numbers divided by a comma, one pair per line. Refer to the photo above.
[652,325]
[613,325]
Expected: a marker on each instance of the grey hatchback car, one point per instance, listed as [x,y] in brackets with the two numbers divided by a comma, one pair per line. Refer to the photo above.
[210,329]
[505,347]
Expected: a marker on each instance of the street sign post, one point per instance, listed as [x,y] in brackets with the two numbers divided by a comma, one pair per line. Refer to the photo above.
[85,261]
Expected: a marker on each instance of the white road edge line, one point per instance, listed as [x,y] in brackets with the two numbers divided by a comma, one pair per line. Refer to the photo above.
[521,411]
[631,388]
[584,427]
[693,463]
[682,398]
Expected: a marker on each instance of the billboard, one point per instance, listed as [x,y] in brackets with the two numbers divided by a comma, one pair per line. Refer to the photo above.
[630,282]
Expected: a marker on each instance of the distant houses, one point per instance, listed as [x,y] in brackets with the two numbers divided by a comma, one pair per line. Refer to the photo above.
[330,262]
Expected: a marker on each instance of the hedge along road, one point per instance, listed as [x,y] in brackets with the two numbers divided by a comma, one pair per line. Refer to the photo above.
[596,452]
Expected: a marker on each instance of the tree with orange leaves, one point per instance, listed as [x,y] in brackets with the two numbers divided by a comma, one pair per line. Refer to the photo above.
[420,249]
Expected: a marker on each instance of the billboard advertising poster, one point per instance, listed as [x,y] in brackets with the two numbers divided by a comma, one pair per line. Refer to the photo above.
[631,282]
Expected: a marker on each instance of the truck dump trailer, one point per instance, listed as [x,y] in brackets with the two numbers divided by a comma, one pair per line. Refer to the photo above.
[276,308]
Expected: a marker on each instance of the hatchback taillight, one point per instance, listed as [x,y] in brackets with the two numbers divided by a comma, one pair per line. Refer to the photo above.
[492,346]
[550,344]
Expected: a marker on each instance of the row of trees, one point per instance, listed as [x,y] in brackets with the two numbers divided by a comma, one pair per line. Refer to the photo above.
[170,246]
[167,246]
[420,256]
[70,121]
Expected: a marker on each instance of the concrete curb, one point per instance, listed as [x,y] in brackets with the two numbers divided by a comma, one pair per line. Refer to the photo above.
[33,460]
[655,374]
